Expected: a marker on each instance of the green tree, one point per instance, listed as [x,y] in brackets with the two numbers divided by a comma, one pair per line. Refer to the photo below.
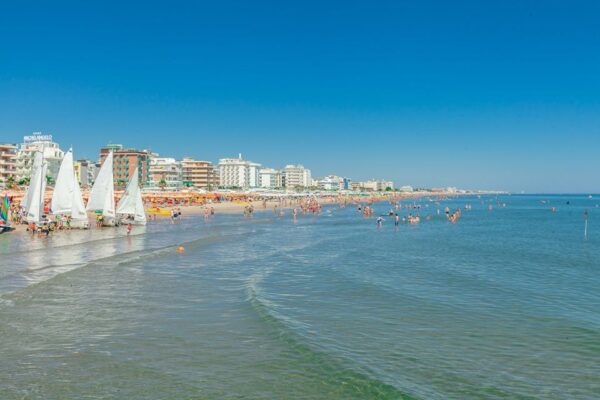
[24,181]
[388,189]
[49,180]
[162,184]
[10,182]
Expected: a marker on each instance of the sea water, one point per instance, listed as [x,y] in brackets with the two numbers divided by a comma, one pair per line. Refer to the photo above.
[505,303]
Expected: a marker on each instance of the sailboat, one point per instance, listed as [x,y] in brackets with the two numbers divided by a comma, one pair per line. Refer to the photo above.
[131,204]
[34,205]
[102,194]
[4,209]
[66,198]
[38,159]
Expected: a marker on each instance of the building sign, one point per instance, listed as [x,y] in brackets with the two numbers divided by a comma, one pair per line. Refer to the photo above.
[37,137]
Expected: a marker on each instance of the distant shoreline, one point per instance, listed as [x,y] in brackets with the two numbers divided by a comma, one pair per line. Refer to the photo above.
[195,204]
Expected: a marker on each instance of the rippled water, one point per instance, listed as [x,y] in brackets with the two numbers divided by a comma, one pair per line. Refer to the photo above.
[503,304]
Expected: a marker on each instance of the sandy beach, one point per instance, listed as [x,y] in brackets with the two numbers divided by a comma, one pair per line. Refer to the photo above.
[160,204]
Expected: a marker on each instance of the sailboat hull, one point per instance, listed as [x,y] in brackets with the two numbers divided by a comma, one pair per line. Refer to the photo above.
[124,220]
[109,222]
[81,224]
[6,228]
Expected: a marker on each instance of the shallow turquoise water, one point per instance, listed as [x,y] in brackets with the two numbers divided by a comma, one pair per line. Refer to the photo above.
[503,304]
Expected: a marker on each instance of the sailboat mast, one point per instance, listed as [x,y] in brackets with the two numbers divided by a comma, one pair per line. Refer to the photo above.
[42,177]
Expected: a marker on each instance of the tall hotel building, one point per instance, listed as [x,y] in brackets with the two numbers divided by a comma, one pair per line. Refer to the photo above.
[239,173]
[296,176]
[199,174]
[125,161]
[33,143]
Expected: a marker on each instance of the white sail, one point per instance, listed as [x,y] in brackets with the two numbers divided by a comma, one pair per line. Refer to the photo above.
[38,158]
[77,207]
[66,198]
[127,202]
[36,195]
[140,213]
[62,197]
[131,203]
[103,191]
[109,201]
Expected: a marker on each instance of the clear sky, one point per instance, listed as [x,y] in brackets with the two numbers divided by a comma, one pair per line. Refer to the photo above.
[476,94]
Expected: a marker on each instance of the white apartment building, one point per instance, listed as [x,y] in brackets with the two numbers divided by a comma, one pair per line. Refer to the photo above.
[377,186]
[331,182]
[237,172]
[167,170]
[296,176]
[253,174]
[270,178]
[53,155]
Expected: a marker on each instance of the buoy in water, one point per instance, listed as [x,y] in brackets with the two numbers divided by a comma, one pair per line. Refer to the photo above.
[180,249]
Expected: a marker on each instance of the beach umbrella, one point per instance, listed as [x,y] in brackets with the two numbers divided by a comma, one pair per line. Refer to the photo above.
[4,209]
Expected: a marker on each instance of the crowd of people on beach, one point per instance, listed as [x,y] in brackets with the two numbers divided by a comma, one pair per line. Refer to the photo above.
[46,226]
[298,205]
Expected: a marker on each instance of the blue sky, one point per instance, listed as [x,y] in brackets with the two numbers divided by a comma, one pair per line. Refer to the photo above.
[477,94]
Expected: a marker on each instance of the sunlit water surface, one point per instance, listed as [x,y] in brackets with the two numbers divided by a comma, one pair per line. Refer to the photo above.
[503,304]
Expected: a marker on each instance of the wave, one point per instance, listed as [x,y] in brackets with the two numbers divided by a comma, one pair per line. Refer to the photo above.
[36,276]
[318,364]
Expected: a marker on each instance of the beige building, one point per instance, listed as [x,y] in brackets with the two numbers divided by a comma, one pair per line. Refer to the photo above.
[199,174]
[8,162]
[296,176]
[377,186]
[165,170]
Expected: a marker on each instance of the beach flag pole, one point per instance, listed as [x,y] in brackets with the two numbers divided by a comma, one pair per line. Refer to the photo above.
[585,217]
